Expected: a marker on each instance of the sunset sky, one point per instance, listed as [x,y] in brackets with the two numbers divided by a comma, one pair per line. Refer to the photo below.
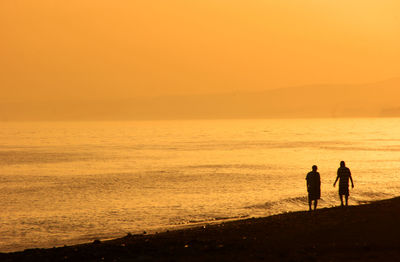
[98,49]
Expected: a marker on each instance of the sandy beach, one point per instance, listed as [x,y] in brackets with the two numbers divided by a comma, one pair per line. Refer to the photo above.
[367,232]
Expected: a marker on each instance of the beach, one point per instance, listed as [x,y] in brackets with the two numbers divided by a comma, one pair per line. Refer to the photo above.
[368,232]
[199,130]
[68,183]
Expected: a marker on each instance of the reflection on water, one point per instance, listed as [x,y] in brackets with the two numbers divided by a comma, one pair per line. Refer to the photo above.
[63,183]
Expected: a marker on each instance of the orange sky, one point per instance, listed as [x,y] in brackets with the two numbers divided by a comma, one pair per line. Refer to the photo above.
[100,49]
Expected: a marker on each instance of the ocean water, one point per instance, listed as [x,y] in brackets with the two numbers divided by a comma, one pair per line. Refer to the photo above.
[73,182]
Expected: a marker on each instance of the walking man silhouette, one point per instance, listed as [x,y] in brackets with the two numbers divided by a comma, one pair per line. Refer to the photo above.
[313,187]
[343,175]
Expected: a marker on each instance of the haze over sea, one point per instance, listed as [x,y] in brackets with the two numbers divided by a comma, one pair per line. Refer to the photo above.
[73,182]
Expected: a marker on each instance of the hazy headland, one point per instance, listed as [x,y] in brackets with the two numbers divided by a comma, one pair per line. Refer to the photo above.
[369,100]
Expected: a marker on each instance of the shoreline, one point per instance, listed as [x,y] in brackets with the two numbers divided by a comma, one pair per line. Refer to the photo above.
[367,232]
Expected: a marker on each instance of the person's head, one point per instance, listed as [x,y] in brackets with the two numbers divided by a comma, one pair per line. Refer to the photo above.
[342,164]
[314,168]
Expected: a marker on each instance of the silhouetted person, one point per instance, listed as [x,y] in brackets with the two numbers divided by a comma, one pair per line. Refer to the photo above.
[344,174]
[313,187]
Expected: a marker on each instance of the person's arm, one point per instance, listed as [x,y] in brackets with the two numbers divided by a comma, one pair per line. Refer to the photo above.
[351,179]
[334,184]
[307,181]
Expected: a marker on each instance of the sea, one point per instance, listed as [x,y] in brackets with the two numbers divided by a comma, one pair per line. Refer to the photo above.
[64,183]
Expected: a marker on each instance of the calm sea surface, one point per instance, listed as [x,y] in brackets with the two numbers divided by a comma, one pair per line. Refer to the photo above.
[72,182]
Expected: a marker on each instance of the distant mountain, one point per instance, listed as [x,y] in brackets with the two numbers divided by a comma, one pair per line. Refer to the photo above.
[369,100]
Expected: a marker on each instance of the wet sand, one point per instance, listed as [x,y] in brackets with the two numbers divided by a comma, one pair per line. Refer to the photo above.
[368,232]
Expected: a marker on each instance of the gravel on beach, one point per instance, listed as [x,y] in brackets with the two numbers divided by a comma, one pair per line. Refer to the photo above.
[369,232]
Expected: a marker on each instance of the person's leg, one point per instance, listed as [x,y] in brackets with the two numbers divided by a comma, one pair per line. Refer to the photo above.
[315,204]
[347,200]
[341,200]
[309,204]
